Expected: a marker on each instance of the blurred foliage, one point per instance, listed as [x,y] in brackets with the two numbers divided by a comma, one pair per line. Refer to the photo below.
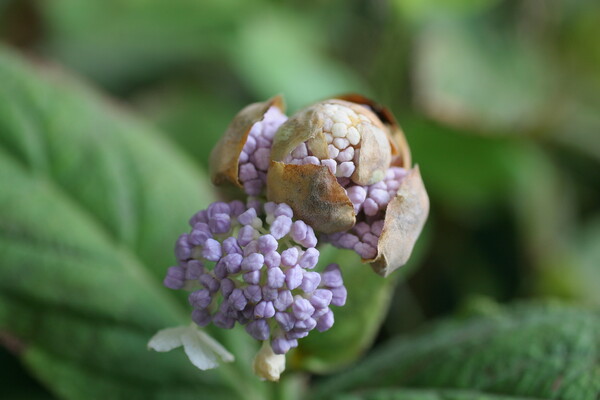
[499,99]
[492,353]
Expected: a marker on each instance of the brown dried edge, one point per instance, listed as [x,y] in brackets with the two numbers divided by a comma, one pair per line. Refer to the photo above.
[224,158]
[404,219]
[313,193]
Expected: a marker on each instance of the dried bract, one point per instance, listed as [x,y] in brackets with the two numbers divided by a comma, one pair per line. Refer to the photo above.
[241,157]
[313,193]
[349,137]
[319,151]
[405,216]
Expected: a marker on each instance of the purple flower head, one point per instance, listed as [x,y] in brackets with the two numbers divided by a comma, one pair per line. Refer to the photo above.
[239,264]
[264,309]
[201,317]
[302,308]
[285,320]
[258,329]
[284,300]
[175,278]
[193,270]
[253,262]
[267,244]
[310,258]
[275,277]
[237,300]
[253,293]
[325,321]
[321,298]
[281,226]
[332,276]
[200,299]
[310,281]
[232,262]
[281,345]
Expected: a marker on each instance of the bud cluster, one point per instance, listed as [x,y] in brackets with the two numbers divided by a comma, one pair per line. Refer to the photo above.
[255,266]
[370,203]
[338,171]
[340,127]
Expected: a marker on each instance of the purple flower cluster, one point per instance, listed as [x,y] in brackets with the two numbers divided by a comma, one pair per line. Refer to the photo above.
[255,266]
[369,203]
[256,154]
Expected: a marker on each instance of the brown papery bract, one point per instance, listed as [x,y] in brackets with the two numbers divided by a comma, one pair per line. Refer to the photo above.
[224,158]
[313,193]
[404,219]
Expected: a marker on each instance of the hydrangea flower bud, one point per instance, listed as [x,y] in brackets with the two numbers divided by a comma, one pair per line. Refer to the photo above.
[389,213]
[242,156]
[318,147]
[246,279]
[349,135]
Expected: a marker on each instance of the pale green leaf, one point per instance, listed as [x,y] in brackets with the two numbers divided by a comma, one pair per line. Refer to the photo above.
[427,394]
[91,202]
[528,350]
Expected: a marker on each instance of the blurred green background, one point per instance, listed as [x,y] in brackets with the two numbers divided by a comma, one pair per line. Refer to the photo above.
[499,100]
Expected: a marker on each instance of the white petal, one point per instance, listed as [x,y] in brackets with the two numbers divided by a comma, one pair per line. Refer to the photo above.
[216,347]
[167,339]
[200,354]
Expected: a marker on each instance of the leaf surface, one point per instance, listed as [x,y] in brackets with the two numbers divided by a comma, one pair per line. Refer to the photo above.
[91,201]
[531,350]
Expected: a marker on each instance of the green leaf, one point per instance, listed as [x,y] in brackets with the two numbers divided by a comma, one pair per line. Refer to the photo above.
[91,201]
[128,41]
[536,350]
[193,119]
[356,323]
[470,75]
[483,175]
[424,10]
[279,52]
[426,394]
[109,166]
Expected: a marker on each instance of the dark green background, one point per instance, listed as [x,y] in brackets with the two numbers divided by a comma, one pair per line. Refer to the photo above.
[109,109]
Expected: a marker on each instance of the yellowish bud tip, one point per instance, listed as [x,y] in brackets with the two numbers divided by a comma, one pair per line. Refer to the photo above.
[268,365]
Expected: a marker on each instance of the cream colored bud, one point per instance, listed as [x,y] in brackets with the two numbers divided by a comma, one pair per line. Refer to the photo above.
[268,365]
[347,138]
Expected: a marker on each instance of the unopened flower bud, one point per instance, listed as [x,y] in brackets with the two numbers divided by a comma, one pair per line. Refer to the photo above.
[320,150]
[268,365]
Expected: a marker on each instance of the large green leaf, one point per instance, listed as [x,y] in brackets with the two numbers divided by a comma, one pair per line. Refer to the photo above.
[425,394]
[121,42]
[135,184]
[469,173]
[90,203]
[536,350]
[194,119]
[280,52]
[470,75]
